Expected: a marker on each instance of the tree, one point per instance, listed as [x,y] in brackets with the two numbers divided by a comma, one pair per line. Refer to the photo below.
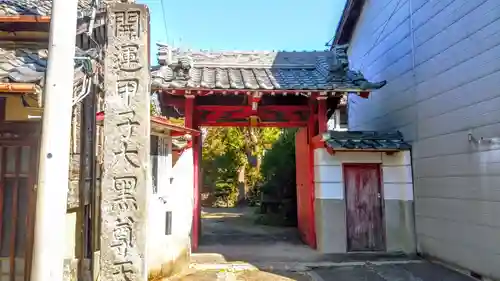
[279,184]
[231,159]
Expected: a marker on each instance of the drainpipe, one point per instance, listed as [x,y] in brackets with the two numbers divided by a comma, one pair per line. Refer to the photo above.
[87,180]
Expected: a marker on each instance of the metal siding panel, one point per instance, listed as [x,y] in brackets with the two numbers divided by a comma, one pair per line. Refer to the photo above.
[456,183]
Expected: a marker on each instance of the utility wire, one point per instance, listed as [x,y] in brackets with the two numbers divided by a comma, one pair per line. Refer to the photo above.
[163,10]
[381,32]
[150,3]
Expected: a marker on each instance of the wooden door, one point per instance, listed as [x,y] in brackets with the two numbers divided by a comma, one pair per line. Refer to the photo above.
[17,177]
[365,230]
[305,195]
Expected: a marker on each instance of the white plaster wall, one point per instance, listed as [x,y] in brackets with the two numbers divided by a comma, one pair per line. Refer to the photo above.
[181,203]
[175,196]
[396,173]
[70,235]
[397,187]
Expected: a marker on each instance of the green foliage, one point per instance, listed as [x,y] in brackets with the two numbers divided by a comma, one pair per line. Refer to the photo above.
[278,165]
[226,151]
[279,182]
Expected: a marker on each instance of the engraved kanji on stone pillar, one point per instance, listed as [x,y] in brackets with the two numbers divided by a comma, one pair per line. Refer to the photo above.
[126,146]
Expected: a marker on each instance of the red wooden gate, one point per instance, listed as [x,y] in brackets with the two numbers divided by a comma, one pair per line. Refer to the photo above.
[365,231]
[305,189]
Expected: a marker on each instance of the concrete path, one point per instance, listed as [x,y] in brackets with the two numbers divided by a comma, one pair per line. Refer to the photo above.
[233,233]
[234,248]
[423,271]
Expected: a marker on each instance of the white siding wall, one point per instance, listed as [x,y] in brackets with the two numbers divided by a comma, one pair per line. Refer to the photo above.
[396,173]
[443,80]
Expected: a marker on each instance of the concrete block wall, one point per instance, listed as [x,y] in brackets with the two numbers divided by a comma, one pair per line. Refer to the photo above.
[330,205]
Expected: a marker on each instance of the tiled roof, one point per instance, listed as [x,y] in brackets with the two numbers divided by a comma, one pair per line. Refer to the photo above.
[359,140]
[27,62]
[38,7]
[305,70]
[23,63]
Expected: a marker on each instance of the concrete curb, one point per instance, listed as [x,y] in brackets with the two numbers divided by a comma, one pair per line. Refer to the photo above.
[307,266]
[230,267]
[285,266]
[314,276]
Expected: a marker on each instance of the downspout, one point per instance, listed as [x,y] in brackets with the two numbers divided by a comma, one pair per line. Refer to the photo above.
[93,193]
[87,176]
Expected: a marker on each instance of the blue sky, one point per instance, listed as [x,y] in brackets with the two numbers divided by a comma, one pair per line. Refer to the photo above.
[244,24]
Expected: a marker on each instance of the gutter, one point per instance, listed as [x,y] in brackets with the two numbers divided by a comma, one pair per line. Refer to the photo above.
[159,121]
[18,88]
[24,19]
[82,25]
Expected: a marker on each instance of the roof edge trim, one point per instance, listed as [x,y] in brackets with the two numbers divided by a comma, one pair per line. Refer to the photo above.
[348,21]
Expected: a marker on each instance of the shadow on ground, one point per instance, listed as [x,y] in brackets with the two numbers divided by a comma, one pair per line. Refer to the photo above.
[233,247]
[233,233]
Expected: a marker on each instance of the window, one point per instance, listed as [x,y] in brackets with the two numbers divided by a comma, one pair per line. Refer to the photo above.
[343,119]
[154,163]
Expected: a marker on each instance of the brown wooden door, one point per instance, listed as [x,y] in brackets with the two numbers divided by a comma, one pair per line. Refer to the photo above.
[365,231]
[17,176]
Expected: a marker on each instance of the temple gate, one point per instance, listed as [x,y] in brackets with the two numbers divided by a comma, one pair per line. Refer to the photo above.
[260,89]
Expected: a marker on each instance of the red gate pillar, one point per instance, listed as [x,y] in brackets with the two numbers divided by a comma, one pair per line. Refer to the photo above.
[311,132]
[190,123]
[321,114]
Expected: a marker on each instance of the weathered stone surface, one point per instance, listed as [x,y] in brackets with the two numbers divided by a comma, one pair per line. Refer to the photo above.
[170,268]
[75,128]
[70,271]
[74,167]
[73,195]
[126,147]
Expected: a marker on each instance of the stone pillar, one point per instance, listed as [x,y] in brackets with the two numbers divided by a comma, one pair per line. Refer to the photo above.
[126,147]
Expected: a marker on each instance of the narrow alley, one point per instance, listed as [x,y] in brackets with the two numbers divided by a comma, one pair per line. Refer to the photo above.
[234,247]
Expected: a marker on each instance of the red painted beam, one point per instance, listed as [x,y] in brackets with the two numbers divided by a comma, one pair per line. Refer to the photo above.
[207,92]
[287,115]
[261,124]
[226,108]
[221,108]
[322,115]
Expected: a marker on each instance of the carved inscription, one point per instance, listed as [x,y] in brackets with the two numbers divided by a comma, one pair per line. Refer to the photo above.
[126,149]
[125,187]
[123,235]
[127,24]
[123,271]
[127,89]
[128,58]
